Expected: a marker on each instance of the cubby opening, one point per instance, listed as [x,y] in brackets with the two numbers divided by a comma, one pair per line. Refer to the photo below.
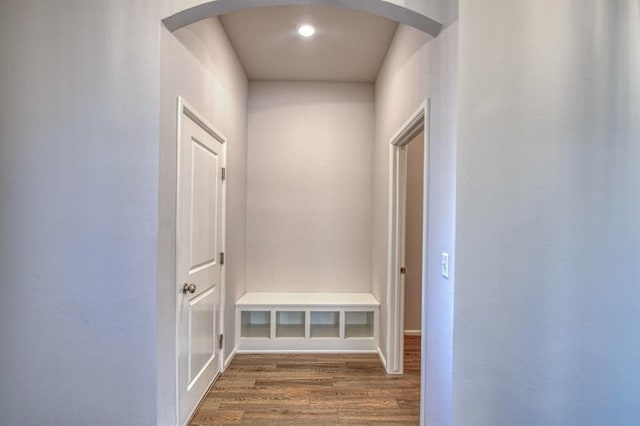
[256,324]
[325,324]
[290,324]
[358,324]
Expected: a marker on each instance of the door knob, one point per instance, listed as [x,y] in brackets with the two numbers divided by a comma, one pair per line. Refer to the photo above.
[188,288]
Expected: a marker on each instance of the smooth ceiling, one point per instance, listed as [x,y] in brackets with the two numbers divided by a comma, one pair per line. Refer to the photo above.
[348,45]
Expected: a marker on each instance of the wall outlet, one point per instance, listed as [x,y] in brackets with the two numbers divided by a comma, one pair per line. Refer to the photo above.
[445,265]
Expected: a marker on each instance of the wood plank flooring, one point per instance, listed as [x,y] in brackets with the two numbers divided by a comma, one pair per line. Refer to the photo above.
[412,354]
[277,389]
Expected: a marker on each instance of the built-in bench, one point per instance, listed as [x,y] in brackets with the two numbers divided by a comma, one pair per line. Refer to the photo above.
[307,322]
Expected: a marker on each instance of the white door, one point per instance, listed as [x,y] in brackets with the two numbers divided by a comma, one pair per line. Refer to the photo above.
[200,199]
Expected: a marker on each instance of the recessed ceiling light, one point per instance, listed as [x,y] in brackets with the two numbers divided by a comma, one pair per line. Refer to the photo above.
[306,30]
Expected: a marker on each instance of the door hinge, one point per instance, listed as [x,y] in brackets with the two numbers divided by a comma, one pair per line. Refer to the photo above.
[222,258]
[403,270]
[221,340]
[224,173]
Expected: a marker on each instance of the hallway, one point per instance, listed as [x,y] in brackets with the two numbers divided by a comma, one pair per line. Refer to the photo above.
[310,389]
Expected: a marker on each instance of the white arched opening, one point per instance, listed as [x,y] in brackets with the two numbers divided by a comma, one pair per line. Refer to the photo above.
[383,8]
[202,9]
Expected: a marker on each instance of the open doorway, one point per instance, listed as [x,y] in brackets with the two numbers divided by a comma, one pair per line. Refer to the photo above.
[413,253]
[265,201]
[407,239]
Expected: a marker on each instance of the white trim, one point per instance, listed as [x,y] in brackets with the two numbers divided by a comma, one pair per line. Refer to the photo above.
[184,108]
[307,300]
[386,9]
[383,360]
[177,279]
[306,351]
[411,127]
[417,122]
[412,333]
[229,359]
[223,267]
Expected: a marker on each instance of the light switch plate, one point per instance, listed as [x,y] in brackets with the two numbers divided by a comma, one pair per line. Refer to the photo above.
[445,265]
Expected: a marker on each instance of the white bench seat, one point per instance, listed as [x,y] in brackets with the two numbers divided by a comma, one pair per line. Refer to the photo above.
[307,322]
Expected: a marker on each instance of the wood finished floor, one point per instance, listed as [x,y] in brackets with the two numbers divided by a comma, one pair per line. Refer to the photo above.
[412,354]
[283,389]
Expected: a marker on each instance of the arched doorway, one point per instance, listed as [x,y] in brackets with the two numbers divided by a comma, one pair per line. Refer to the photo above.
[382,8]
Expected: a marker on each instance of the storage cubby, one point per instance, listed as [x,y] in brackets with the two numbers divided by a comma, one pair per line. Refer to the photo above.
[325,324]
[255,324]
[307,322]
[358,324]
[290,324]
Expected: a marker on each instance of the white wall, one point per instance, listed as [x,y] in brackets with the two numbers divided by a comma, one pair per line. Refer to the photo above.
[199,64]
[309,186]
[78,212]
[548,236]
[417,68]
[413,241]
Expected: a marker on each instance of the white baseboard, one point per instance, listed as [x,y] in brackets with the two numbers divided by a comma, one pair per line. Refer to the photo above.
[230,358]
[412,332]
[383,360]
[303,351]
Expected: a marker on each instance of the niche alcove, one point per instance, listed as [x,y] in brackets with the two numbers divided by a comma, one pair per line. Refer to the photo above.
[307,166]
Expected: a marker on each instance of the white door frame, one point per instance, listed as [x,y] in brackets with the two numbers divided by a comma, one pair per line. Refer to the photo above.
[184,108]
[417,122]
